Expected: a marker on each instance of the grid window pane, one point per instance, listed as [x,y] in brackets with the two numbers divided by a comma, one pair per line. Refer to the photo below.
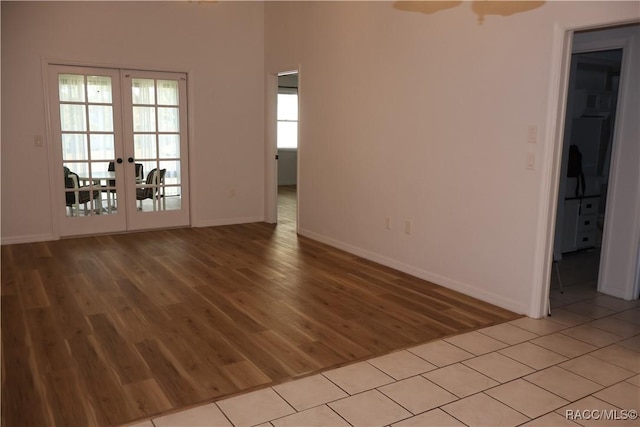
[168,120]
[72,118]
[143,91]
[74,146]
[144,119]
[144,147]
[99,167]
[169,146]
[167,92]
[172,176]
[102,147]
[99,89]
[71,87]
[148,167]
[100,118]
[80,168]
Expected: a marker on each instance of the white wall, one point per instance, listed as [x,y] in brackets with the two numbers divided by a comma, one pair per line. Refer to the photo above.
[220,45]
[424,118]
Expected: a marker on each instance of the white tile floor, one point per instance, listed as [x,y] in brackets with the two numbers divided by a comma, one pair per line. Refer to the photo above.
[525,372]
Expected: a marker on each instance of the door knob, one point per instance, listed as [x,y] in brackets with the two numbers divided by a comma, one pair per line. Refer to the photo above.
[130,159]
[119,160]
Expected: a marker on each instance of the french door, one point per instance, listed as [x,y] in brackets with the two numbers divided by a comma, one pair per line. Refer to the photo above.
[119,139]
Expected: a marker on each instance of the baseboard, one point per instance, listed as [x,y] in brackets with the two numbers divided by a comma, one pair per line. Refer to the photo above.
[32,238]
[437,279]
[227,221]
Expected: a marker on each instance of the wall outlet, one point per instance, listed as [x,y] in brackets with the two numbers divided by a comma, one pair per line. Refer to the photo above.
[531,161]
[532,134]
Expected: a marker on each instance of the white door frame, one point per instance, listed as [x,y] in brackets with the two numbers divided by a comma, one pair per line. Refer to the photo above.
[271,149]
[552,162]
[271,144]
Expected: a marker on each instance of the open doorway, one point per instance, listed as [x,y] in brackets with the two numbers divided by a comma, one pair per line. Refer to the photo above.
[585,229]
[589,128]
[287,149]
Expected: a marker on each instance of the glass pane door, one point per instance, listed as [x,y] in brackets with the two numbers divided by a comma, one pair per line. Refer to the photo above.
[157,122]
[85,120]
[118,177]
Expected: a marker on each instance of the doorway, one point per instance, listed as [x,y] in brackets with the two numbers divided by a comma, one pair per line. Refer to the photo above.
[120,138]
[596,235]
[588,142]
[287,133]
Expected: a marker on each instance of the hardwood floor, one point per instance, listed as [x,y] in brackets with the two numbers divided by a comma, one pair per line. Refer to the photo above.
[110,329]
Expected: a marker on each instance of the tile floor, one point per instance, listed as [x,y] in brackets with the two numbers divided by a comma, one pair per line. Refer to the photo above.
[586,356]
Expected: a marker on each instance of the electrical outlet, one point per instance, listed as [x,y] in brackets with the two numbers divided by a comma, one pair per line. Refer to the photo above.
[532,134]
[531,161]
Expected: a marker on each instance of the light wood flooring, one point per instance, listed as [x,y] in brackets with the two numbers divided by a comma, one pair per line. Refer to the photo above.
[111,329]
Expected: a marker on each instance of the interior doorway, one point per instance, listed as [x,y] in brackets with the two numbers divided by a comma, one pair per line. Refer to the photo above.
[588,142]
[587,240]
[287,131]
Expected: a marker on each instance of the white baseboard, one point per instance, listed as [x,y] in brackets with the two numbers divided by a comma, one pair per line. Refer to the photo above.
[32,238]
[227,221]
[467,289]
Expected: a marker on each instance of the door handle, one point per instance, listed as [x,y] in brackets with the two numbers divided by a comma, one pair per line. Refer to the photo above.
[130,159]
[119,160]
